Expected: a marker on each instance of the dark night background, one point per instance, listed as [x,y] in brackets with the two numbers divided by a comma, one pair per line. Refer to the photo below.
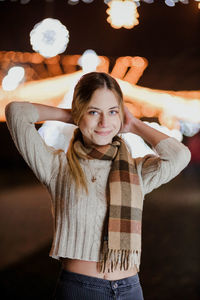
[169,38]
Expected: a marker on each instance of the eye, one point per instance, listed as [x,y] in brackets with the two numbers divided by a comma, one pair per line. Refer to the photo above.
[93,112]
[113,112]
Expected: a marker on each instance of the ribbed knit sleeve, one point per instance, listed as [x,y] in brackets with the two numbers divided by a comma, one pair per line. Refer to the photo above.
[41,158]
[172,158]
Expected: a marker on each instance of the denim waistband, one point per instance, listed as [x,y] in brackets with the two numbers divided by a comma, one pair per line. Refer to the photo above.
[90,280]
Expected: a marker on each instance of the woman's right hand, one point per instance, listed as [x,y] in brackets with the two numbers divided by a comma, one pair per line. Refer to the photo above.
[69,118]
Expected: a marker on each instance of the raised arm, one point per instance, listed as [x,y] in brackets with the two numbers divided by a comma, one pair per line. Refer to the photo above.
[136,126]
[172,156]
[46,112]
[21,118]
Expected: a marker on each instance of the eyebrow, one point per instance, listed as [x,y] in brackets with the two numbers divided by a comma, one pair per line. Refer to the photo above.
[93,107]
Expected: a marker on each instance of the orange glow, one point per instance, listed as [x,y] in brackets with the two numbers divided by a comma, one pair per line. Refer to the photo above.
[141,101]
[104,64]
[26,57]
[47,91]
[122,14]
[167,106]
[36,58]
[175,106]
[136,66]
[53,66]
[168,121]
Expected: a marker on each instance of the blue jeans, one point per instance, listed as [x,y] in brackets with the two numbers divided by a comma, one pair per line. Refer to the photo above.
[74,286]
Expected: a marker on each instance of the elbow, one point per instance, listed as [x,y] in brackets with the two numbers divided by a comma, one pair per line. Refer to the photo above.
[184,157]
[187,155]
[9,109]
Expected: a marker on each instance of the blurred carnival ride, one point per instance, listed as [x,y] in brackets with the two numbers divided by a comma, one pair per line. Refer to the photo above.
[48,81]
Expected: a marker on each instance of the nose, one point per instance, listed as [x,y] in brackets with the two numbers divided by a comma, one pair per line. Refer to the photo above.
[103,121]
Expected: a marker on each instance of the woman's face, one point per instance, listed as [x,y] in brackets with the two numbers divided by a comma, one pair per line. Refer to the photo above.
[101,121]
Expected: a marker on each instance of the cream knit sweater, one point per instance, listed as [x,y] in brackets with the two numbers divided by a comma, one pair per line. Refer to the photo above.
[79,219]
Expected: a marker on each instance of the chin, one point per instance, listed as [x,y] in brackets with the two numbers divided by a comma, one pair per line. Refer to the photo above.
[98,141]
[103,142]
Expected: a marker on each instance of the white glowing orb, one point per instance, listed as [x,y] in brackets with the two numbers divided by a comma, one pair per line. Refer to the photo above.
[122,14]
[188,128]
[17,73]
[14,77]
[9,84]
[72,2]
[89,61]
[169,3]
[148,1]
[49,37]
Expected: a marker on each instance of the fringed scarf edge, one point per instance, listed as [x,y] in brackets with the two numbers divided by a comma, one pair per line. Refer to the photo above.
[124,259]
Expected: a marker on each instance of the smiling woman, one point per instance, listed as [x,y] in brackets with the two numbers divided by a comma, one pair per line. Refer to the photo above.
[98,222]
[101,122]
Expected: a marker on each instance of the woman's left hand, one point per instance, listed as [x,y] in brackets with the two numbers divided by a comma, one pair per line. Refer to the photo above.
[129,121]
[136,126]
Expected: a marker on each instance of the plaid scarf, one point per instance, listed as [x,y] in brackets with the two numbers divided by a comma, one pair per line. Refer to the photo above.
[122,248]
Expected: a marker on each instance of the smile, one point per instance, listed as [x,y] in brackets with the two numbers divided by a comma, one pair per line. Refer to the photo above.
[103,133]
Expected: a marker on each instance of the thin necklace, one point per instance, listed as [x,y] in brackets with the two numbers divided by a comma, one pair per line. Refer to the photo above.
[93,174]
[93,179]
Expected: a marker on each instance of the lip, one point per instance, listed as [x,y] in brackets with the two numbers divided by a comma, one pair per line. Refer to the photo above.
[103,133]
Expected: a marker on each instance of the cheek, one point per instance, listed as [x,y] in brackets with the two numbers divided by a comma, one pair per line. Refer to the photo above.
[85,125]
[118,123]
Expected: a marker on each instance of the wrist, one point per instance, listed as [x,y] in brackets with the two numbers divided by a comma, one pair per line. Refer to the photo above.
[136,125]
[67,117]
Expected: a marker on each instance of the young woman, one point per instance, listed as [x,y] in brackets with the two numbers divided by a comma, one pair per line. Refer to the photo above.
[97,189]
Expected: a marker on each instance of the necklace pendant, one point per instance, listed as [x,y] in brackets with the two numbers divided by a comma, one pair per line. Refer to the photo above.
[93,179]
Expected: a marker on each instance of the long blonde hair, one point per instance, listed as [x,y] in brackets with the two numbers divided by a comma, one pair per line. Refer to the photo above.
[83,92]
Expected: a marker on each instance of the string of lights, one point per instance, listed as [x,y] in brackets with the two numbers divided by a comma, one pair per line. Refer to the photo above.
[170,3]
[121,13]
[138,2]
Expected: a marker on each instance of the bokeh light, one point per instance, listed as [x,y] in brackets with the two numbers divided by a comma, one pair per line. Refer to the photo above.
[49,37]
[14,77]
[122,14]
[189,128]
[89,61]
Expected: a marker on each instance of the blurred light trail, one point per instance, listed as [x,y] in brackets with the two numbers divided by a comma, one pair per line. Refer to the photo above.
[47,91]
[51,91]
[174,110]
[162,102]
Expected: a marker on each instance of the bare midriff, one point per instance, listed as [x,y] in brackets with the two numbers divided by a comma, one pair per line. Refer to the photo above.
[91,268]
